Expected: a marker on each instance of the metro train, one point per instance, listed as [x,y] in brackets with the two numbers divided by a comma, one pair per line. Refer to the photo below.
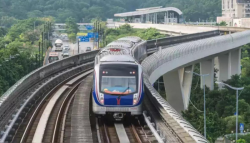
[118,80]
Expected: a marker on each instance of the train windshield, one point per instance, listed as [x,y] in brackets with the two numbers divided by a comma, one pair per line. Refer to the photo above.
[118,79]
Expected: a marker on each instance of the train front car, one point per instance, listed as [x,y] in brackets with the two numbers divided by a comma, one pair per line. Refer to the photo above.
[118,86]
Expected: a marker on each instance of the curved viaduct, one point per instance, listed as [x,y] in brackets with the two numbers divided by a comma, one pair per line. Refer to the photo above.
[176,64]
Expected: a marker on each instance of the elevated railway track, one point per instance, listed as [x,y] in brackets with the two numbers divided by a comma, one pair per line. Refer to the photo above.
[32,94]
[48,121]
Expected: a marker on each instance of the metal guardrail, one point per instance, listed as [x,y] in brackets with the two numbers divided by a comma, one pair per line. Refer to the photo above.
[212,46]
[221,28]
[14,96]
[39,93]
[139,52]
[199,23]
[180,126]
[180,39]
[152,128]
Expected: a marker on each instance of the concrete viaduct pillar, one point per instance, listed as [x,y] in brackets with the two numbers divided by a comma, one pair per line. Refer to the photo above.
[178,83]
[224,67]
[207,67]
[236,61]
[229,64]
[178,87]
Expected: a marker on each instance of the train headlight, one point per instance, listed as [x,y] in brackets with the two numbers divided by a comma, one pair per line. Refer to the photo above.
[101,98]
[135,99]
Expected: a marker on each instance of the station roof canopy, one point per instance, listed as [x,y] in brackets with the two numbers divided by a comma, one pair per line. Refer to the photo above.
[57,24]
[148,11]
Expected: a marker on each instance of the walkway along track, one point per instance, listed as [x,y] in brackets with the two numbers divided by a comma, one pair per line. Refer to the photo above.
[166,131]
[80,127]
[60,129]
[27,128]
[50,134]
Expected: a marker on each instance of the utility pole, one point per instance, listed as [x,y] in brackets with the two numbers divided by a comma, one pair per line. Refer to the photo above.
[39,54]
[99,35]
[94,35]
[44,36]
[97,30]
[48,33]
[103,35]
[237,97]
[204,88]
[78,45]
[204,97]
[42,45]
[36,61]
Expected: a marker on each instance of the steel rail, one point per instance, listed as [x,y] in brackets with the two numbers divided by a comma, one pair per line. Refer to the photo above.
[135,133]
[106,133]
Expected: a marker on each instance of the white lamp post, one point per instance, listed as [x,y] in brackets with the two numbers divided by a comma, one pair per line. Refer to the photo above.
[204,88]
[237,92]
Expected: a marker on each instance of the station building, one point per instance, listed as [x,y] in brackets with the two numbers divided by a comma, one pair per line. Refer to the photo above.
[152,15]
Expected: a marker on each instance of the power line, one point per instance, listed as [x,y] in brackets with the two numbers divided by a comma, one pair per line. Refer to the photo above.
[195,106]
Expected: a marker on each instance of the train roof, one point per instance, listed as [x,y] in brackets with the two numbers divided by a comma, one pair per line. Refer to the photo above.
[118,58]
[121,43]
[134,39]
[113,50]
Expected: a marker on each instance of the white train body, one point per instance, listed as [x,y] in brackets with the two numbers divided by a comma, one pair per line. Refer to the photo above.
[118,79]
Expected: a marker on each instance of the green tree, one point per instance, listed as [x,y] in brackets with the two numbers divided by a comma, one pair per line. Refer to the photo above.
[18,45]
[230,123]
[35,13]
[7,21]
[246,67]
[223,23]
[127,30]
[241,141]
[150,33]
[72,37]
[71,26]
[245,54]
[3,32]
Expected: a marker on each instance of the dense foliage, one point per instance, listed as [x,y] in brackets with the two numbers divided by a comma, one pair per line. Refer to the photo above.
[221,104]
[85,10]
[18,49]
[127,30]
